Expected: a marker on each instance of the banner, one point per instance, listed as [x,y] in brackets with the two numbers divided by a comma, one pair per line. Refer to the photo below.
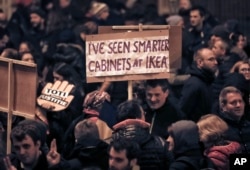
[127,56]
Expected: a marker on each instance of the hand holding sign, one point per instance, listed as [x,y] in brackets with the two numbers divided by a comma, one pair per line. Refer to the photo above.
[56,96]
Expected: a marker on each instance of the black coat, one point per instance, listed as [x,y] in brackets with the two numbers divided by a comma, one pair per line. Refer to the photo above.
[87,152]
[196,96]
[18,25]
[163,117]
[238,131]
[224,66]
[187,149]
[41,163]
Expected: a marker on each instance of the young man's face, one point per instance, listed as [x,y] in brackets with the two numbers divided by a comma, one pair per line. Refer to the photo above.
[195,18]
[234,106]
[26,150]
[156,97]
[119,160]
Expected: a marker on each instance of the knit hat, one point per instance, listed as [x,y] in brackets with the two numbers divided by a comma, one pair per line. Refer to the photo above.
[221,31]
[173,20]
[98,7]
[38,11]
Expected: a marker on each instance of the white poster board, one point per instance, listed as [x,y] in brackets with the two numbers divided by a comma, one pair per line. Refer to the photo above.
[128,54]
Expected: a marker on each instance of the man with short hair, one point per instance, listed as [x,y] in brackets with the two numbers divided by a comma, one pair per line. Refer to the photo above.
[26,141]
[162,109]
[195,36]
[123,154]
[196,96]
[232,112]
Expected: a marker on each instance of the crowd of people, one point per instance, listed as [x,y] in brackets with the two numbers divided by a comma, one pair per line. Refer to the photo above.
[193,124]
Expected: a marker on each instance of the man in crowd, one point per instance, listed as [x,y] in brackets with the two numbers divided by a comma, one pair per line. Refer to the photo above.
[196,96]
[225,62]
[27,142]
[161,109]
[195,36]
[131,125]
[232,112]
[123,155]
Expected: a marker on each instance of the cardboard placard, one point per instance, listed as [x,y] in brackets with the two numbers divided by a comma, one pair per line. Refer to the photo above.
[21,89]
[56,97]
[132,55]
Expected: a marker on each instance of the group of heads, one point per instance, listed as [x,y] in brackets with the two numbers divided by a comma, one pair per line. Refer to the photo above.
[123,154]
[211,127]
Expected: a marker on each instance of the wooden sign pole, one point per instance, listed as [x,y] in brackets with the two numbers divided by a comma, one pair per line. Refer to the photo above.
[10,105]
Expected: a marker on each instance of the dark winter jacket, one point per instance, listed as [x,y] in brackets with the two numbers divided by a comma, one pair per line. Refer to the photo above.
[238,131]
[86,152]
[18,25]
[224,66]
[154,150]
[41,163]
[161,118]
[187,150]
[194,40]
[196,95]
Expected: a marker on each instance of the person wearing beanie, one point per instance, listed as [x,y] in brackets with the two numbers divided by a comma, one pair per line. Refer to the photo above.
[100,10]
[37,18]
[104,15]
[219,32]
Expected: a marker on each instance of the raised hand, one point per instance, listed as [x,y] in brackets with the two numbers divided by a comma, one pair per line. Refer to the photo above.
[7,164]
[56,96]
[95,99]
[53,157]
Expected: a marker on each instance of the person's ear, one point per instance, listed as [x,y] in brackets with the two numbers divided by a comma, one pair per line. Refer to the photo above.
[166,93]
[222,107]
[224,51]
[133,162]
[38,143]
[199,63]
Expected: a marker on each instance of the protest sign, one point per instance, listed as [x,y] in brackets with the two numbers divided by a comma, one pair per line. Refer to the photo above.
[18,91]
[56,97]
[18,87]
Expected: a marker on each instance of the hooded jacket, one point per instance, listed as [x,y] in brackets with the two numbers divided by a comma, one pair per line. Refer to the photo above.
[196,99]
[187,150]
